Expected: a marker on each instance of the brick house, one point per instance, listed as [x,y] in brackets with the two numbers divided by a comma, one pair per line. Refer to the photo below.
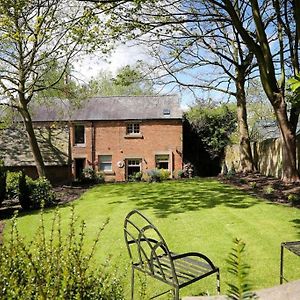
[119,135]
[124,135]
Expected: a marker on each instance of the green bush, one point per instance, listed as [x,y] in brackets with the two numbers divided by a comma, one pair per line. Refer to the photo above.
[41,192]
[136,176]
[90,176]
[154,175]
[164,174]
[2,182]
[269,190]
[100,177]
[55,266]
[12,184]
[35,193]
[294,199]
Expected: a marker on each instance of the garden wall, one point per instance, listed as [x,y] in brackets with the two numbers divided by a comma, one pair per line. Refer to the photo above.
[267,157]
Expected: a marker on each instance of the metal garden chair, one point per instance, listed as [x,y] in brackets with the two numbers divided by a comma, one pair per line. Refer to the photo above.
[150,254]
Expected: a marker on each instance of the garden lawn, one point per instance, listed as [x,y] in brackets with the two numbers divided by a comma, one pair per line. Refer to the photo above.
[196,215]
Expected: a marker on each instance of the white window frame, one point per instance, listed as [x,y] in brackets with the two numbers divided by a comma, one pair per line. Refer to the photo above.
[163,160]
[133,128]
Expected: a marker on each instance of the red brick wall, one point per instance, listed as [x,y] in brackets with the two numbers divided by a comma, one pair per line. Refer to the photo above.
[157,137]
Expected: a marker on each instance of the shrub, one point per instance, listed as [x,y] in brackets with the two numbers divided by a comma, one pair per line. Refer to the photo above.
[269,190]
[294,199]
[180,174]
[12,184]
[90,176]
[136,176]
[253,184]
[100,177]
[55,266]
[2,182]
[154,175]
[35,193]
[164,174]
[40,192]
[24,192]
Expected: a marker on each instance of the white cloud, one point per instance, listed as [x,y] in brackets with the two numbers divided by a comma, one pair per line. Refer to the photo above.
[89,66]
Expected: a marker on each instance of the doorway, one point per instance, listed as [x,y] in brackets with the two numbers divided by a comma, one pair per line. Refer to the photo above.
[133,165]
[79,166]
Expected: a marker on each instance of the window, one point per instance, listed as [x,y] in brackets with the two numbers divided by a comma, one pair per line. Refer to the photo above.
[133,128]
[105,162]
[133,166]
[162,161]
[79,134]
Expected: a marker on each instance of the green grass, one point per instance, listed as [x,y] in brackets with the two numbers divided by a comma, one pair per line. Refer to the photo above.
[197,215]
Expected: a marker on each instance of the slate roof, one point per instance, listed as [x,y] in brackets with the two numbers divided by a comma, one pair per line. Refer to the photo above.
[266,129]
[53,142]
[111,108]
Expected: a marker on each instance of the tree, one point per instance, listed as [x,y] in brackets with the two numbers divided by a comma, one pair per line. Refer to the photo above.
[214,124]
[37,36]
[187,43]
[273,40]
[128,81]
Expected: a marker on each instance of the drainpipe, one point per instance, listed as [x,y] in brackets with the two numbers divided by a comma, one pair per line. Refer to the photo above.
[93,146]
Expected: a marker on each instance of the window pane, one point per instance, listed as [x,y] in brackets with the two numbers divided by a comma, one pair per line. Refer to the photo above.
[133,128]
[105,158]
[79,134]
[105,167]
[105,162]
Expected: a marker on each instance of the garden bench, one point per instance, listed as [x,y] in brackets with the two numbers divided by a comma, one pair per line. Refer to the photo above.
[150,254]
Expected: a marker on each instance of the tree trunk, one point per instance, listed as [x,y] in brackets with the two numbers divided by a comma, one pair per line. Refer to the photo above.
[246,157]
[39,162]
[289,164]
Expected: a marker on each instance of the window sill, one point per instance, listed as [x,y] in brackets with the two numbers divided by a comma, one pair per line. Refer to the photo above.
[79,145]
[108,172]
[134,136]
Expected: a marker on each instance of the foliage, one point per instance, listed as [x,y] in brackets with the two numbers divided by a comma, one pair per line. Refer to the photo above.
[269,190]
[158,175]
[89,175]
[36,38]
[214,125]
[3,175]
[35,193]
[136,176]
[239,286]
[164,174]
[41,192]
[294,199]
[54,266]
[129,81]
[12,184]
[154,175]
[253,184]
[24,192]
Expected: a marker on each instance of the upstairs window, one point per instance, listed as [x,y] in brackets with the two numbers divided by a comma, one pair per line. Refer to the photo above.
[79,134]
[133,128]
[105,163]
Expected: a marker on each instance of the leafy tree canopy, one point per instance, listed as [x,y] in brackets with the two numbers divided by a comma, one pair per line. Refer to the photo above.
[128,81]
[214,125]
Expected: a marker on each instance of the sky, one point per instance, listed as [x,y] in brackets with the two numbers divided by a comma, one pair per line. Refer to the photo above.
[87,67]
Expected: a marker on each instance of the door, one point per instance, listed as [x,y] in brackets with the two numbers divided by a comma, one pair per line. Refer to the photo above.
[133,165]
[79,166]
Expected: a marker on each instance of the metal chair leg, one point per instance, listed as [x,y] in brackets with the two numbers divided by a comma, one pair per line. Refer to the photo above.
[281,264]
[176,293]
[218,283]
[132,282]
